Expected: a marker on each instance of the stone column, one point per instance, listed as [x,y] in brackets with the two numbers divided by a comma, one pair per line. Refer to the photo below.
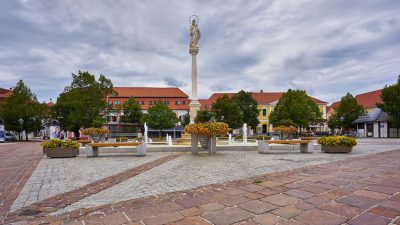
[194,105]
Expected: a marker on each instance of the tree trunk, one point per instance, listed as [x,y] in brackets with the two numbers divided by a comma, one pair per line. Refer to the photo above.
[159,134]
[26,135]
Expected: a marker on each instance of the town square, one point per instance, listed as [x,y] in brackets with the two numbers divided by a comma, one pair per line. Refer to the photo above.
[181,113]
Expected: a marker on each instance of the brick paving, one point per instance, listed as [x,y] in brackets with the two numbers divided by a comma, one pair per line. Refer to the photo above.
[363,190]
[188,172]
[17,162]
[60,201]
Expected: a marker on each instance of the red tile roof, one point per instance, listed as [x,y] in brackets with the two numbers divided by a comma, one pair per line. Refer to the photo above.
[367,100]
[151,92]
[5,93]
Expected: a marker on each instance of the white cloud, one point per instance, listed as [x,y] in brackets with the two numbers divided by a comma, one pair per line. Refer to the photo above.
[325,47]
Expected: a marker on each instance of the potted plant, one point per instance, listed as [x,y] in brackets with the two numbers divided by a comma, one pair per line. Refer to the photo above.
[206,133]
[337,144]
[96,134]
[56,148]
[285,131]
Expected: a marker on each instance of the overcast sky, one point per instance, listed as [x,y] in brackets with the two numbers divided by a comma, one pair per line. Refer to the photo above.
[327,48]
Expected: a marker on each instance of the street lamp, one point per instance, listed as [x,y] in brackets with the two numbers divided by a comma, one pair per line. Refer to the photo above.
[20,121]
[341,123]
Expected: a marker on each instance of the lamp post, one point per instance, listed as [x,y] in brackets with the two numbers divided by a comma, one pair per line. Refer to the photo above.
[20,121]
[341,125]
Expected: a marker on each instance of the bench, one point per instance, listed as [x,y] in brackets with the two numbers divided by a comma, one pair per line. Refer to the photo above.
[306,146]
[92,149]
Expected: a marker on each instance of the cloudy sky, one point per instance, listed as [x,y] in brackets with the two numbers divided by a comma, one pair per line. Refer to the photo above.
[326,47]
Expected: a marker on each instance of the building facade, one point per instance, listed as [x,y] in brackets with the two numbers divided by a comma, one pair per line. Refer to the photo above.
[146,97]
[375,123]
[266,103]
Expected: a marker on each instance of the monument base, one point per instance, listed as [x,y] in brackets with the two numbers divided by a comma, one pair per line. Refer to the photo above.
[194,106]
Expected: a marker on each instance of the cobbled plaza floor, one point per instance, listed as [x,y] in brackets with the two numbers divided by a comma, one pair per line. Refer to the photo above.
[53,178]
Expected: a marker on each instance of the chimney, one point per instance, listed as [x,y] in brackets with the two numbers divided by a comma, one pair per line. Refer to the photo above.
[261,91]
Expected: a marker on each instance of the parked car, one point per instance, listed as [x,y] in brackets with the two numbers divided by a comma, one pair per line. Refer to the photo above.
[2,136]
[10,136]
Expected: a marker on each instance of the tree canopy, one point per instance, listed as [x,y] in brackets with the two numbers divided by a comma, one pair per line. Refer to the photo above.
[346,112]
[22,103]
[132,112]
[228,111]
[390,96]
[204,116]
[160,117]
[186,119]
[82,104]
[295,108]
[248,107]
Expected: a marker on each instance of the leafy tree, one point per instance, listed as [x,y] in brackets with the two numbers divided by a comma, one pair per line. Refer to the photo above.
[347,111]
[132,112]
[22,103]
[82,104]
[248,106]
[204,116]
[160,117]
[186,119]
[391,101]
[228,111]
[295,108]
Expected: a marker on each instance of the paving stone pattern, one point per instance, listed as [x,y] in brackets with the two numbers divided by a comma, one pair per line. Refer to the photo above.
[17,162]
[59,201]
[191,171]
[355,191]
[58,175]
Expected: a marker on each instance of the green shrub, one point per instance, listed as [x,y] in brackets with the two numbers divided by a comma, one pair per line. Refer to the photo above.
[337,140]
[54,143]
[263,137]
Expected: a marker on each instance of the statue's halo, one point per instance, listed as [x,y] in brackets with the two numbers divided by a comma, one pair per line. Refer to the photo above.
[195,18]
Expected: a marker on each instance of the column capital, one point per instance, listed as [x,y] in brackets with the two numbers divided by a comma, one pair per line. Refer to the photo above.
[194,51]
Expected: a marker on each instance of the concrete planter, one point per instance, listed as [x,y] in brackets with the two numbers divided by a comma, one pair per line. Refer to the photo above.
[61,152]
[336,149]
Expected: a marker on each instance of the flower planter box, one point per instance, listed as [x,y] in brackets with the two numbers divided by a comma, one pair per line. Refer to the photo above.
[61,152]
[336,149]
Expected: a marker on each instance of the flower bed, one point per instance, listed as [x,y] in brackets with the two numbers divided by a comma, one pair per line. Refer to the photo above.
[95,133]
[337,144]
[56,148]
[92,131]
[207,129]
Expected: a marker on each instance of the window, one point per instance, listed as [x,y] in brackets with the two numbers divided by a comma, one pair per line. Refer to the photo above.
[166,102]
[150,102]
[264,112]
[177,102]
[183,102]
[117,102]
[110,104]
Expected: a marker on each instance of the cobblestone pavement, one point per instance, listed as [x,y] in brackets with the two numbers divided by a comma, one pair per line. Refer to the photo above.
[356,191]
[17,162]
[55,176]
[191,171]
[62,200]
